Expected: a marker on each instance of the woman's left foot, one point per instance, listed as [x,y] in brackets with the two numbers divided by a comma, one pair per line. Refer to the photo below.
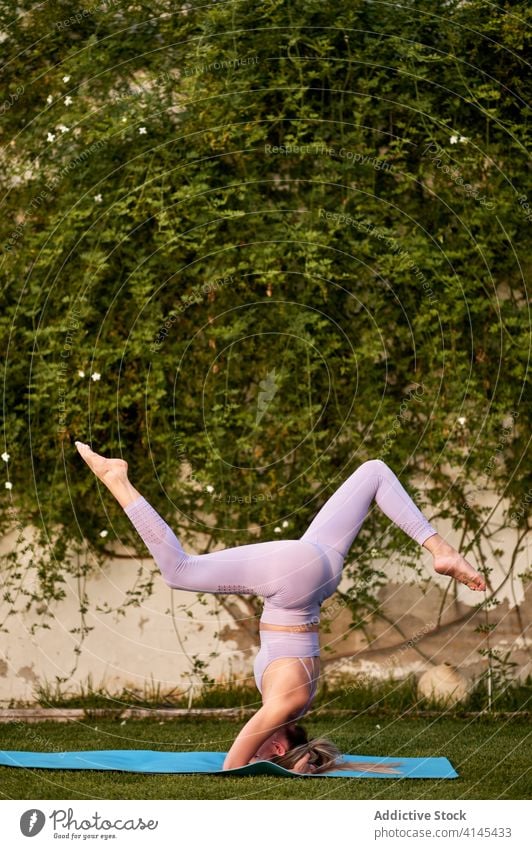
[457,567]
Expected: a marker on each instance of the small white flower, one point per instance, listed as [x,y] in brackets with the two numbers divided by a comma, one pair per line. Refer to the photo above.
[374,552]
[68,100]
[5,456]
[277,530]
[9,485]
[66,78]
[50,99]
[81,373]
[50,137]
[463,139]
[453,139]
[377,726]
[98,198]
[285,524]
[209,488]
[103,533]
[96,375]
[124,120]
[63,128]
[461,420]
[142,131]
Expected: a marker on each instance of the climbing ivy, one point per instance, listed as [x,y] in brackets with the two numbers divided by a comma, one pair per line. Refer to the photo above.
[248,246]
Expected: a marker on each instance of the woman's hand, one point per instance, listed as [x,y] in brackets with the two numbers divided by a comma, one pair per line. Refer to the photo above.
[262,725]
[303,765]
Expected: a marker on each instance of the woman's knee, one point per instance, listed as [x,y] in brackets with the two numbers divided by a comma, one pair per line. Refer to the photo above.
[175,570]
[375,466]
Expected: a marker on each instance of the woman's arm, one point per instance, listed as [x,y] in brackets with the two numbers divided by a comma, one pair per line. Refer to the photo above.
[285,692]
[261,726]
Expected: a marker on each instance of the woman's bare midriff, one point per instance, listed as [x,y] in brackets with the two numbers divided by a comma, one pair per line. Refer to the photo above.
[265,626]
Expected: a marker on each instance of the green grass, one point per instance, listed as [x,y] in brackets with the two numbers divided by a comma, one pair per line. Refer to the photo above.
[490,755]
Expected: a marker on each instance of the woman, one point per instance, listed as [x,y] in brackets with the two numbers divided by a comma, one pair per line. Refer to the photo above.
[294,577]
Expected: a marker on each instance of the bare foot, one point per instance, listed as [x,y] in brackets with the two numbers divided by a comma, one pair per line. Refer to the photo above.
[450,562]
[104,468]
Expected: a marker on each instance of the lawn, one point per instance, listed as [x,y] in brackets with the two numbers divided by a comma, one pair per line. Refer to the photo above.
[489,754]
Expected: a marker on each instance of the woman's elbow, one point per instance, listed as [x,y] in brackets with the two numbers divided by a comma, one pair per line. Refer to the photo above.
[231,762]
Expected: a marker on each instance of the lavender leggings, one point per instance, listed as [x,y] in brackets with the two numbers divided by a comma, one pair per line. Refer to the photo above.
[293,576]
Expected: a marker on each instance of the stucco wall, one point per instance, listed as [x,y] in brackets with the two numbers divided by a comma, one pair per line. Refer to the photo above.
[148,645]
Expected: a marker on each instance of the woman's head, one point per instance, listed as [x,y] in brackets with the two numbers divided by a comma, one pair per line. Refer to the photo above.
[280,742]
[289,744]
[322,754]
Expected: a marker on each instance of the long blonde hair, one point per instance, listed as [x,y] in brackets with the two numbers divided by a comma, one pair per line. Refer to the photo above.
[324,755]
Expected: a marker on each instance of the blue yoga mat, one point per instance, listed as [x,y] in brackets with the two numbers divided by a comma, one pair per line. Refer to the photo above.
[142,760]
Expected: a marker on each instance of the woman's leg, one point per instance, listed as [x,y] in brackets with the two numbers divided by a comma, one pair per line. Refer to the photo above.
[340,519]
[256,568]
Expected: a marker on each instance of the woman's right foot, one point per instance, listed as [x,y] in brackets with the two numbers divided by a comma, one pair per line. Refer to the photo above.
[105,468]
[450,562]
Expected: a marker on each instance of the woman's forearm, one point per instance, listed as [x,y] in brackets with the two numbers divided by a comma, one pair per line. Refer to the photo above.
[254,733]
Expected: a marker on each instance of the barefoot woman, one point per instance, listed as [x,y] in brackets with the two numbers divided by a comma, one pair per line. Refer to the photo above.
[294,577]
